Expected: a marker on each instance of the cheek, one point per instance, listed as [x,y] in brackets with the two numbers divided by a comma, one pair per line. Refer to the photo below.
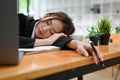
[47,35]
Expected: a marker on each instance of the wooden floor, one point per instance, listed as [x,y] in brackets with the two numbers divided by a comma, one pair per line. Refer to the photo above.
[105,74]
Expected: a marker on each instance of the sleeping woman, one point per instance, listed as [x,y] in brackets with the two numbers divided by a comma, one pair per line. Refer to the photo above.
[53,29]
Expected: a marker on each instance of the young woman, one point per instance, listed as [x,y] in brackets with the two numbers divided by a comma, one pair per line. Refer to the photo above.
[53,29]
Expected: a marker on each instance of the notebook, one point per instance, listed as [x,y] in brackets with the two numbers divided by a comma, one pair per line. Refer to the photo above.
[38,49]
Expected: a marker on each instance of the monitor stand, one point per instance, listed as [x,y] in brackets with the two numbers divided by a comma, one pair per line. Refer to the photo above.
[20,54]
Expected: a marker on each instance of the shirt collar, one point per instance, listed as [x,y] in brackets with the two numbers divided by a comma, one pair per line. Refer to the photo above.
[33,32]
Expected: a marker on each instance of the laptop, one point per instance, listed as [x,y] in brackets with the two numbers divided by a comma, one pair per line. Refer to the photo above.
[9,44]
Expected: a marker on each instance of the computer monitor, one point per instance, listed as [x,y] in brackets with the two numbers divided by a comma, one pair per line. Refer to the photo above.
[9,33]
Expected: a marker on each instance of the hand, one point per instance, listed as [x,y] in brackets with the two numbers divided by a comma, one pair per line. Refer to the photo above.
[54,37]
[86,49]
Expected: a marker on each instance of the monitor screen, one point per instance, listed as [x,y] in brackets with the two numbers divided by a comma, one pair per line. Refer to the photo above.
[8,32]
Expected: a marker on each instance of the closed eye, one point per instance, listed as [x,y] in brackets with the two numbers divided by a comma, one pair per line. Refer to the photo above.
[49,22]
[52,30]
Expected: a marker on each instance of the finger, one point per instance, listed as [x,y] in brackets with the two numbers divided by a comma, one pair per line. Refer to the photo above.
[63,34]
[99,54]
[59,35]
[94,53]
[95,57]
[89,48]
[82,51]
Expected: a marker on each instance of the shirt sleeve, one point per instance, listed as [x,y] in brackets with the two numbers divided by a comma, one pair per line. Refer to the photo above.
[62,41]
[26,25]
[25,42]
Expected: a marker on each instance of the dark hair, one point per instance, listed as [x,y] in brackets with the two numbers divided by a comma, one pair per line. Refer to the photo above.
[65,19]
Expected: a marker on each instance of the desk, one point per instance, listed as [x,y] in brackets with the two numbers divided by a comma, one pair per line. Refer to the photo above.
[56,64]
[115,37]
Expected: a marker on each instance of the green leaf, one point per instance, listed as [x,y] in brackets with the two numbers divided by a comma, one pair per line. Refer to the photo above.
[104,26]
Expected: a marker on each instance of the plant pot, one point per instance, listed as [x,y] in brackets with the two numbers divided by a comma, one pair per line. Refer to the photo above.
[94,40]
[104,39]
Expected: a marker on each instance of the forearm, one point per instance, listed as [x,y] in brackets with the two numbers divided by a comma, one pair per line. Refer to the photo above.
[72,44]
[42,42]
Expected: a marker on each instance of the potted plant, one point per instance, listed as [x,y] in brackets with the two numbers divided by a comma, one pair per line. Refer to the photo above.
[117,29]
[93,35]
[104,28]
